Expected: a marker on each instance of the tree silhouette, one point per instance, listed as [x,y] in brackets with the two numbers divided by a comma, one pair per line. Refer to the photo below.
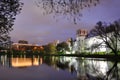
[23,41]
[112,73]
[8,10]
[69,8]
[110,34]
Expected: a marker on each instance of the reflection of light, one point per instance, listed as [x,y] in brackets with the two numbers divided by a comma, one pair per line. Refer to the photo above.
[22,62]
[41,60]
[35,62]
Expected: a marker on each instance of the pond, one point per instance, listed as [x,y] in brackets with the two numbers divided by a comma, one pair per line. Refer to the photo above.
[57,68]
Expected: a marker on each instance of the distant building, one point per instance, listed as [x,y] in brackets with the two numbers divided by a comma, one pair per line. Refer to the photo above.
[69,42]
[56,42]
[25,47]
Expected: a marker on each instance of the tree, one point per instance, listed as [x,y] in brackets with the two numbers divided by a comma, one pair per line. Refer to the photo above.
[71,43]
[110,34]
[23,41]
[8,10]
[50,48]
[62,46]
[68,8]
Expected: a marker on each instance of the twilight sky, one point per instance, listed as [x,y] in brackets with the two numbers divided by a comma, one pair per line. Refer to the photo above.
[36,28]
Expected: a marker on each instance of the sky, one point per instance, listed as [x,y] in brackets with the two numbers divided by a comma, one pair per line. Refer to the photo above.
[31,25]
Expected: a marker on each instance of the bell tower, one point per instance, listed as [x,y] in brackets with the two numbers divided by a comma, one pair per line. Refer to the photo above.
[80,39]
[81,32]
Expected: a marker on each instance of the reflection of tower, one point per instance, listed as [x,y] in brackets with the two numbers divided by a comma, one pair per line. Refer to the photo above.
[80,40]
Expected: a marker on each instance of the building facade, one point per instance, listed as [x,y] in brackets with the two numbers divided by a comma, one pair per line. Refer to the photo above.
[26,47]
[95,44]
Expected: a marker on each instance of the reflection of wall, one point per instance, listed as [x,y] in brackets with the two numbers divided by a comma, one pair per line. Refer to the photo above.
[23,62]
[99,67]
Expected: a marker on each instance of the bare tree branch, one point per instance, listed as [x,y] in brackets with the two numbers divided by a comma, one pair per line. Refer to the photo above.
[8,10]
[67,8]
[110,34]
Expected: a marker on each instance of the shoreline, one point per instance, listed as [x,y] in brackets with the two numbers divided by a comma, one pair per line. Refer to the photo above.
[105,56]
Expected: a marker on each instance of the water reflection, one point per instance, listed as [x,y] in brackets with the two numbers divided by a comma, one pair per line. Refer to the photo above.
[20,61]
[23,62]
[81,68]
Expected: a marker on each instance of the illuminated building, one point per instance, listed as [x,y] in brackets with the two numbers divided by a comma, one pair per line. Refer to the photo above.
[95,44]
[86,43]
[24,47]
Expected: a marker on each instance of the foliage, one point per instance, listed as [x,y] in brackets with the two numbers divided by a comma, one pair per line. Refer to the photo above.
[110,34]
[72,42]
[23,42]
[101,53]
[67,8]
[50,49]
[62,46]
[8,10]
[60,52]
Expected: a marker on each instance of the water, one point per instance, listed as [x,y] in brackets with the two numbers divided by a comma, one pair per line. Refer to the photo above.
[57,68]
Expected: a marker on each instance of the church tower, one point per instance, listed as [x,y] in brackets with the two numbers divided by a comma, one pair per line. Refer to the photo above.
[80,39]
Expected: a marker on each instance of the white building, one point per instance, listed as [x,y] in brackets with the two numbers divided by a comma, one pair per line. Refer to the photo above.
[95,44]
[85,43]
